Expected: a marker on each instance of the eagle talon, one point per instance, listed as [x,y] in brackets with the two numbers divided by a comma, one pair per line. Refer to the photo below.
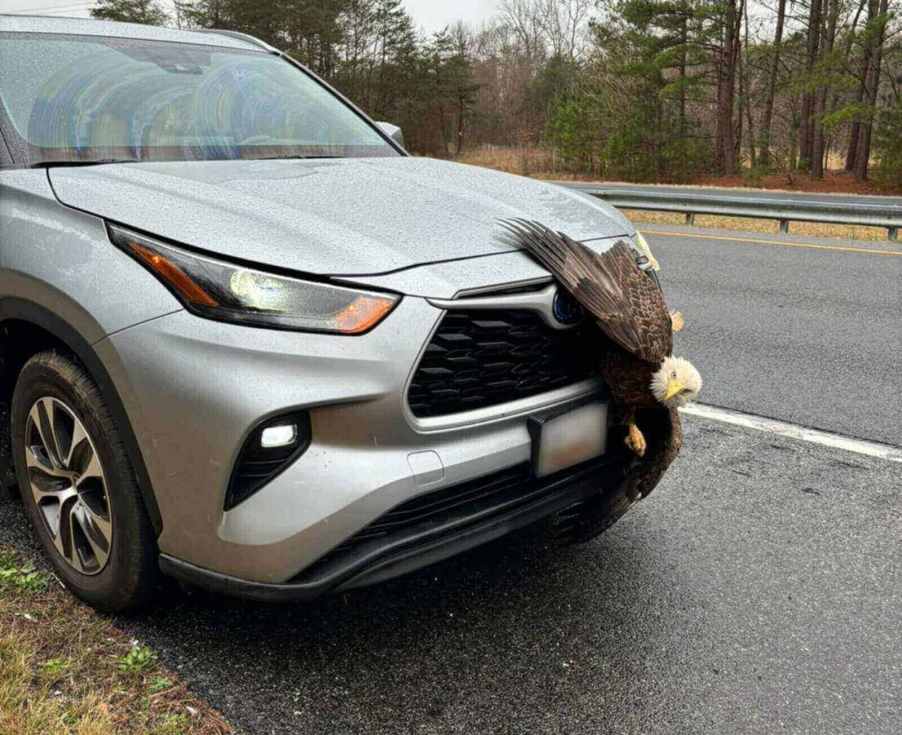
[677,321]
[635,440]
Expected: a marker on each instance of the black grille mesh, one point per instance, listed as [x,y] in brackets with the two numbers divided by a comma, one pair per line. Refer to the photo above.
[482,358]
[442,504]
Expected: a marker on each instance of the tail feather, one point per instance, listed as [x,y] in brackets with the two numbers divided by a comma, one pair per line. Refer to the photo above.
[624,302]
[538,243]
[543,244]
[567,260]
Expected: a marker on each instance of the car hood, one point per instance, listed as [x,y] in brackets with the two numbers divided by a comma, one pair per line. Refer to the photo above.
[331,217]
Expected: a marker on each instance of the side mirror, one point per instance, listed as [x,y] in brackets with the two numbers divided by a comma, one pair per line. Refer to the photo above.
[393,132]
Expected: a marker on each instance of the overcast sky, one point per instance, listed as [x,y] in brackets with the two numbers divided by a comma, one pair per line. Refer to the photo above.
[431,15]
[74,8]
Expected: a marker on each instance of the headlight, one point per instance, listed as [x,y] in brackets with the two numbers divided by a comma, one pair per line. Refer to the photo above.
[231,293]
[642,246]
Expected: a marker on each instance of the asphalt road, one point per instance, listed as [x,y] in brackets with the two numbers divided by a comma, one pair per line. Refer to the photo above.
[759,589]
[808,336]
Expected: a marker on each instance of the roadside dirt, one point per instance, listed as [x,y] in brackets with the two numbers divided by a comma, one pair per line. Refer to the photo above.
[540,163]
[834,182]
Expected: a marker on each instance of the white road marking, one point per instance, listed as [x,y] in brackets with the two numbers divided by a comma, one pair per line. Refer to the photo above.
[794,431]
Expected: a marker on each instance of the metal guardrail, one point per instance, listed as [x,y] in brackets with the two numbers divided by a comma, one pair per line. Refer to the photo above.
[736,205]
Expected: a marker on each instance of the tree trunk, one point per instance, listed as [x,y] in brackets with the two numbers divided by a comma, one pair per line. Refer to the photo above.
[742,104]
[767,122]
[817,153]
[725,160]
[747,94]
[867,53]
[838,92]
[806,128]
[684,37]
[863,154]
[683,162]
[461,111]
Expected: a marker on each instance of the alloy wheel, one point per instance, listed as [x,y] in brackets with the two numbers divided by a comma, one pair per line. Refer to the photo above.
[68,485]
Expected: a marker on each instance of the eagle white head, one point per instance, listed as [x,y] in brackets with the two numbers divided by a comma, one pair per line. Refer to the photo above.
[676,383]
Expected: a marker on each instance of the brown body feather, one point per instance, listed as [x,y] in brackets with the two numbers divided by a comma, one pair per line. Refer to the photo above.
[624,300]
[628,377]
[630,310]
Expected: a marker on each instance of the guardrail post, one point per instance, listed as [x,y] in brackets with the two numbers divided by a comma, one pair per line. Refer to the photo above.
[784,226]
[690,218]
[892,233]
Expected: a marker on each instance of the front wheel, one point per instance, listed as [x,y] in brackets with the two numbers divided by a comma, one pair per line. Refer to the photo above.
[78,486]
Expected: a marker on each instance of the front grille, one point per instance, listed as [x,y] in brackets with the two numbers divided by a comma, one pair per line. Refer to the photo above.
[480,358]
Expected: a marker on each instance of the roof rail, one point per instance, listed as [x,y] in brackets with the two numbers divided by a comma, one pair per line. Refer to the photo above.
[240,36]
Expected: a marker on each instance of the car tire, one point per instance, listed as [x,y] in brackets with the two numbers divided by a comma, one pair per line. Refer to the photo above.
[78,486]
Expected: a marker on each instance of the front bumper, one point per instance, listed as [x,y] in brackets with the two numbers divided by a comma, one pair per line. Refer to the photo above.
[405,547]
[194,389]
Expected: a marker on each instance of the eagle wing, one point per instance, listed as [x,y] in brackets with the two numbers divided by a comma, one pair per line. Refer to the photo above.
[626,302]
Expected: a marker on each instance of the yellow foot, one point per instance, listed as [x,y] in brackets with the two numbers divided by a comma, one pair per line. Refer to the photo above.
[636,441]
[676,318]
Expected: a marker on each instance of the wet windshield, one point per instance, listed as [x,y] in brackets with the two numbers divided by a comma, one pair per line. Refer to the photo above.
[83,99]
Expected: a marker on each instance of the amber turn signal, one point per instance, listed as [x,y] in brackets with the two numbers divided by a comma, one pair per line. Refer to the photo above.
[173,275]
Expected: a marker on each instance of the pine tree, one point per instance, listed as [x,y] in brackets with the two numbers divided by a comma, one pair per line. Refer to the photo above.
[148,12]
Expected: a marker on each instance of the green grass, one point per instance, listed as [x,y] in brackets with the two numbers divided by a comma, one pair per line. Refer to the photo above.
[22,577]
[55,667]
[65,670]
[159,684]
[172,725]
[138,660]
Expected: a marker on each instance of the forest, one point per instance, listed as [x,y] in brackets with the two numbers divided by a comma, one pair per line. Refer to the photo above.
[636,90]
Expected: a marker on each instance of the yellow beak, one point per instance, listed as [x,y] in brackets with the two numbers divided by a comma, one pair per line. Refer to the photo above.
[674,387]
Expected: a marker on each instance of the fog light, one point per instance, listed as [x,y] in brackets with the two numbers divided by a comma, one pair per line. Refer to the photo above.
[274,437]
[270,449]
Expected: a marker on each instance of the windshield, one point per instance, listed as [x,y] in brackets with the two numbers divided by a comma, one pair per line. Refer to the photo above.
[73,98]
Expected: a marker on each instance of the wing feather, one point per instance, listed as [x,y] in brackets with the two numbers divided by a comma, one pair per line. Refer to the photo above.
[626,302]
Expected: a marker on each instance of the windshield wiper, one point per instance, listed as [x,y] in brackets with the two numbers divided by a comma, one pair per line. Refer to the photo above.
[94,162]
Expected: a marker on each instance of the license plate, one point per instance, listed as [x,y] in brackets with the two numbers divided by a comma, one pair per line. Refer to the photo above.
[569,439]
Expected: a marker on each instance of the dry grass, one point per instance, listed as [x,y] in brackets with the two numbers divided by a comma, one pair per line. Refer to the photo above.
[66,670]
[746,224]
[544,163]
[540,163]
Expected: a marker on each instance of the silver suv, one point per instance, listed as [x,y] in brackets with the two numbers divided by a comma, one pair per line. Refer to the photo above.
[248,341]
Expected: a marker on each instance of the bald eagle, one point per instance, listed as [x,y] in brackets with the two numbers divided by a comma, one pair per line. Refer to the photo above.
[637,361]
